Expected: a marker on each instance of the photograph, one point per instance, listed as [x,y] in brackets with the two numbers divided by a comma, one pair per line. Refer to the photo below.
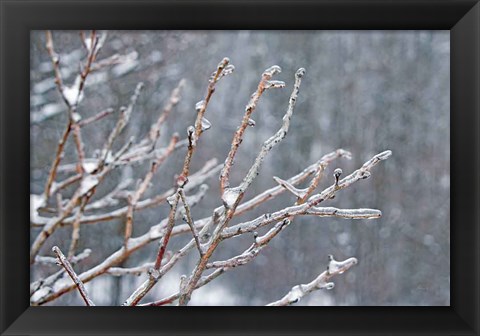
[239,168]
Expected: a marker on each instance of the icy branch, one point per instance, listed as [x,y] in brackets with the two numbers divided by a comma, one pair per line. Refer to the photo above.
[68,268]
[321,282]
[246,121]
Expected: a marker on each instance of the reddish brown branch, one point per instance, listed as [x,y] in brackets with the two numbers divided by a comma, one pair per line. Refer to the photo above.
[246,121]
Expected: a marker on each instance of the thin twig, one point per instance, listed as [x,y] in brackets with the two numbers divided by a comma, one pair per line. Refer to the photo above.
[96,117]
[246,121]
[190,222]
[320,282]
[68,267]
[235,195]
[143,187]
[194,134]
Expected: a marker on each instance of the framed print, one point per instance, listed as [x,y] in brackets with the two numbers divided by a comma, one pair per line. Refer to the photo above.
[229,156]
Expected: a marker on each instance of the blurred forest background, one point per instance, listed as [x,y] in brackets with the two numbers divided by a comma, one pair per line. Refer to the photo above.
[364,91]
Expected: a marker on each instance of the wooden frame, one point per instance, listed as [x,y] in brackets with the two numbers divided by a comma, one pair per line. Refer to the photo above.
[462,18]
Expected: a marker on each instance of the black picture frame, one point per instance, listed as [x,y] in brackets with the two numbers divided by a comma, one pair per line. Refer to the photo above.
[461,17]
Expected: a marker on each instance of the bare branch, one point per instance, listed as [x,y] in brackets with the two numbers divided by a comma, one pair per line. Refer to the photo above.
[232,196]
[96,117]
[189,220]
[121,123]
[76,225]
[194,134]
[143,187]
[246,121]
[68,267]
[345,213]
[321,282]
[313,201]
[56,161]
[47,282]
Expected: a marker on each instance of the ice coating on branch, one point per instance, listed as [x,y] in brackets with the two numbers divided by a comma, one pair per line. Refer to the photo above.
[206,125]
[191,135]
[172,199]
[338,267]
[300,72]
[274,69]
[365,175]
[230,196]
[228,70]
[200,105]
[274,84]
[88,183]
[295,294]
[384,155]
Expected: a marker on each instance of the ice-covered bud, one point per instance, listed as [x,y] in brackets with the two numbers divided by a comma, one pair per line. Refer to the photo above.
[274,69]
[206,125]
[384,155]
[251,122]
[300,73]
[228,70]
[200,105]
[223,63]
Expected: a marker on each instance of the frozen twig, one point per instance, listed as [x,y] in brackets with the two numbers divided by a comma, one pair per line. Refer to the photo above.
[56,161]
[48,281]
[313,201]
[68,268]
[321,282]
[207,171]
[76,225]
[96,117]
[190,222]
[194,134]
[133,200]
[123,120]
[232,196]
[246,121]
